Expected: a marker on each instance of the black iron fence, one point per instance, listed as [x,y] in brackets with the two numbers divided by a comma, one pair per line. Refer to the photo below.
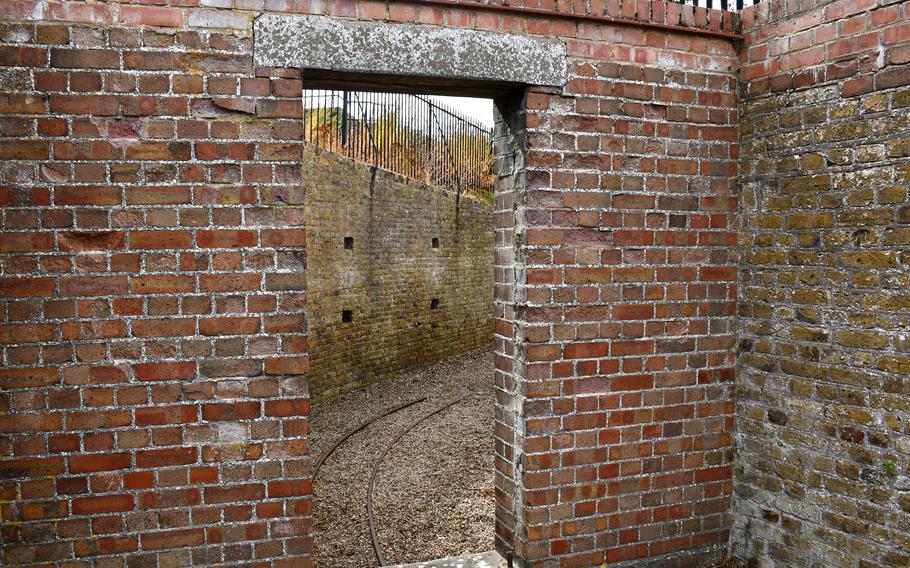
[721,4]
[411,135]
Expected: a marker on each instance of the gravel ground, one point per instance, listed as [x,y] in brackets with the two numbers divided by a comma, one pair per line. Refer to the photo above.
[434,491]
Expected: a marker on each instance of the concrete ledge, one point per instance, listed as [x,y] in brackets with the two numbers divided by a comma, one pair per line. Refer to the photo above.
[714,555]
[340,45]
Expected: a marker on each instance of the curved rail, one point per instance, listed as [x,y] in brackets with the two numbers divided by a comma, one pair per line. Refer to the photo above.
[360,427]
[378,549]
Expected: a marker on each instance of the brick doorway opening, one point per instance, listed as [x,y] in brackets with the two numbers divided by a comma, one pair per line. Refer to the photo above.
[400,276]
[433,60]
[399,214]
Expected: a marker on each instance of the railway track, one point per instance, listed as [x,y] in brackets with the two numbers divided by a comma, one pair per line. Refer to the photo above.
[377,548]
[358,428]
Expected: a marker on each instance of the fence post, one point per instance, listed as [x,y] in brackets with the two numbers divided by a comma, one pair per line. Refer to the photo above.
[430,160]
[344,119]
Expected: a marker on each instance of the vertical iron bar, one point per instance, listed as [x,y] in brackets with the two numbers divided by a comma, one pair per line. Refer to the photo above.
[396,135]
[450,134]
[358,142]
[344,119]
[364,130]
[410,165]
[456,124]
[399,133]
[460,153]
[382,146]
[412,143]
[371,122]
[365,117]
[387,127]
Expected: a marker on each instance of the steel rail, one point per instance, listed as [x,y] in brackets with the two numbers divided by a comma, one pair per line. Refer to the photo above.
[376,547]
[360,427]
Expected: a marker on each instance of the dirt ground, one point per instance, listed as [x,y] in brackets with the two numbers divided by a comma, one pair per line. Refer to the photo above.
[434,489]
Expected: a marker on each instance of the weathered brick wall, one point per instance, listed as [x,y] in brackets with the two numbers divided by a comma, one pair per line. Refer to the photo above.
[154,302]
[628,312]
[154,401]
[822,417]
[391,274]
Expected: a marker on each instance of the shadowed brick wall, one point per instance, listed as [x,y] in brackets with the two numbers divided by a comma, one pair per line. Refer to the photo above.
[824,378]
[391,274]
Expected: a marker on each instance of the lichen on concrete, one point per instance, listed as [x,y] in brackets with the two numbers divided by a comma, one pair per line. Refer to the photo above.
[319,42]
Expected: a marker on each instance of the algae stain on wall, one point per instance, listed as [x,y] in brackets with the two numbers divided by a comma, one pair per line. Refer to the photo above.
[397,275]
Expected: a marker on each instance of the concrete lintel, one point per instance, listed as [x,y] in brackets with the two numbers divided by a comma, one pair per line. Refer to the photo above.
[342,45]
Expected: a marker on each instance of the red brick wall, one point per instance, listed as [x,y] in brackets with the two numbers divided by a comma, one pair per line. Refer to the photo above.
[154,396]
[154,308]
[824,360]
[629,329]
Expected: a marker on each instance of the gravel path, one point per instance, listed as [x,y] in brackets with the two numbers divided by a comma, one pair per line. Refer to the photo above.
[434,491]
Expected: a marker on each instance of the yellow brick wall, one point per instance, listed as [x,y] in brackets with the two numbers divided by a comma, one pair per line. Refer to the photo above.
[391,275]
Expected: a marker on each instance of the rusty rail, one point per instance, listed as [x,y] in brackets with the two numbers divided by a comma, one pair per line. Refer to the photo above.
[373,535]
[358,428]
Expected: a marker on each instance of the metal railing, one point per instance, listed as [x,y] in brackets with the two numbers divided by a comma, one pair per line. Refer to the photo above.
[728,5]
[408,134]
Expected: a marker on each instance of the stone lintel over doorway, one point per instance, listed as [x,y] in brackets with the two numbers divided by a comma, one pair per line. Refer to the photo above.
[408,50]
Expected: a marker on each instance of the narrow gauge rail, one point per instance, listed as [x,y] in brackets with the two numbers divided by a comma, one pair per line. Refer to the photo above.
[377,548]
[360,427]
[373,535]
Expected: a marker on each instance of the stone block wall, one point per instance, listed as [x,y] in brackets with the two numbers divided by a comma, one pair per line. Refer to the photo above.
[824,366]
[413,269]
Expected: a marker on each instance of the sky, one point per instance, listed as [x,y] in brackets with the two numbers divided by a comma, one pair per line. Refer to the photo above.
[480,110]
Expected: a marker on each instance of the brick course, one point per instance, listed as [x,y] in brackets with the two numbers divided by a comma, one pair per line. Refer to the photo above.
[142,366]
[629,304]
